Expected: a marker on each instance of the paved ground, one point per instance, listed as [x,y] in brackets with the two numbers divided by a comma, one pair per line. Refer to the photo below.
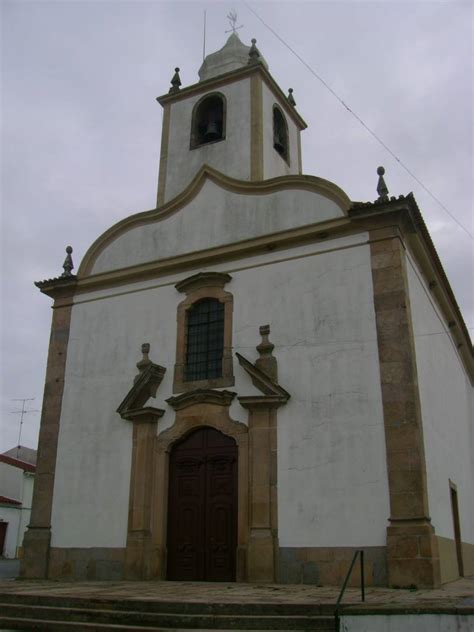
[453,595]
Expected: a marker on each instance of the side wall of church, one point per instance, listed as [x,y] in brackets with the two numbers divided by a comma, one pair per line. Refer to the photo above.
[332,474]
[183,162]
[447,411]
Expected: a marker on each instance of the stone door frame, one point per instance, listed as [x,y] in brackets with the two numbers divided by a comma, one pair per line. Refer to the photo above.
[146,555]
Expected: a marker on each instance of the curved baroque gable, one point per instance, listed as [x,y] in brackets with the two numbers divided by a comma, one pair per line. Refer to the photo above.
[215,210]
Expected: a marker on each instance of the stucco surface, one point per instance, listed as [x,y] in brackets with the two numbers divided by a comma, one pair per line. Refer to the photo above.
[215,217]
[332,470]
[447,412]
[92,480]
[231,155]
[11,481]
[332,480]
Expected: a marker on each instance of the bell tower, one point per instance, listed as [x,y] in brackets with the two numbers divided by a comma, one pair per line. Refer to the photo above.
[235,119]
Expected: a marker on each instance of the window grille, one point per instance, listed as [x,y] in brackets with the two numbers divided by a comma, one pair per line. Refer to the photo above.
[205,340]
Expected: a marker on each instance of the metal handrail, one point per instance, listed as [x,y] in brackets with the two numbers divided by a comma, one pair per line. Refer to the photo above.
[346,581]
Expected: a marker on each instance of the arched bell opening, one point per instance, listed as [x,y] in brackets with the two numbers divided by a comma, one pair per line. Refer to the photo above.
[208,120]
[202,507]
[280,134]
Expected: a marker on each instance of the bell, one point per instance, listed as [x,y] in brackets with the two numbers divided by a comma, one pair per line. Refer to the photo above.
[278,144]
[212,131]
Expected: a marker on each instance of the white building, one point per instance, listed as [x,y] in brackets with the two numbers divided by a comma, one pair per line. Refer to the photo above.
[17,473]
[230,457]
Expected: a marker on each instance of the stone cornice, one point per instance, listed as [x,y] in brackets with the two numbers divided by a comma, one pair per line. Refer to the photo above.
[203,279]
[242,187]
[215,255]
[230,77]
[262,381]
[252,402]
[146,414]
[145,386]
[60,287]
[201,396]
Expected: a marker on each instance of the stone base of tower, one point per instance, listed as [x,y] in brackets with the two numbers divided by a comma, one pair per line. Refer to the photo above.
[413,555]
[36,548]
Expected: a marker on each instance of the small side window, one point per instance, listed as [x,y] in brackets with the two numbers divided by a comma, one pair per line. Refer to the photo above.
[208,122]
[280,134]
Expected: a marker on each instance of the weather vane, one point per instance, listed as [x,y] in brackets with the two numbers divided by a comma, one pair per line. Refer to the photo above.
[232,17]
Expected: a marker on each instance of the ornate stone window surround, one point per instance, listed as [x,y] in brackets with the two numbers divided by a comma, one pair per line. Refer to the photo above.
[194,140]
[197,287]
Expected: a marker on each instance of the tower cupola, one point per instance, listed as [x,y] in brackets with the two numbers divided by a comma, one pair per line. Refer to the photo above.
[233,55]
[235,119]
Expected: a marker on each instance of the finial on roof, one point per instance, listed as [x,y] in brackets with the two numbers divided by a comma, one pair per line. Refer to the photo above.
[254,55]
[232,17]
[145,361]
[68,264]
[382,189]
[266,362]
[175,82]
[290,97]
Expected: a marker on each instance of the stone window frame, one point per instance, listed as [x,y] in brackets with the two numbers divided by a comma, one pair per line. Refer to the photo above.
[286,153]
[194,143]
[197,287]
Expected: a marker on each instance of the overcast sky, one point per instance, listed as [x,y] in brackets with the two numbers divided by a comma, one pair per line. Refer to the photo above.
[81,129]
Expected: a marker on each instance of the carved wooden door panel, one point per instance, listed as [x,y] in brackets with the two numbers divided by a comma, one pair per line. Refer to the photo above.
[202,508]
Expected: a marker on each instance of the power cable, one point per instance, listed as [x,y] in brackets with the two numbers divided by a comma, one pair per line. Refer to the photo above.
[358,118]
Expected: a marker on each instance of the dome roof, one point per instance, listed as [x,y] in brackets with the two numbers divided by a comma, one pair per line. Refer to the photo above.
[231,56]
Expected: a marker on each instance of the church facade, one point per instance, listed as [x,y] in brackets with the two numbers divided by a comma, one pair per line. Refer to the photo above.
[257,377]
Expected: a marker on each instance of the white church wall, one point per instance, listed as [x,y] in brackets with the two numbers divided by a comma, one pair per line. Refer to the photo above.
[95,444]
[231,154]
[214,218]
[332,480]
[273,164]
[447,412]
[331,440]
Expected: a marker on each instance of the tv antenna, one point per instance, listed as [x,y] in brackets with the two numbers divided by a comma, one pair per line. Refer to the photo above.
[232,17]
[23,411]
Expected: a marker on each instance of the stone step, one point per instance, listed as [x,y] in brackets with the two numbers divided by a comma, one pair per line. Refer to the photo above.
[7,624]
[54,626]
[182,607]
[132,619]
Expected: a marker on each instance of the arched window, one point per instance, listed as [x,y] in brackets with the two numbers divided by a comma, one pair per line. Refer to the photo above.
[204,340]
[208,121]
[280,134]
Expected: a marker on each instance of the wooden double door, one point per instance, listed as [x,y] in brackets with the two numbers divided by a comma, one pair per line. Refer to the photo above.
[202,508]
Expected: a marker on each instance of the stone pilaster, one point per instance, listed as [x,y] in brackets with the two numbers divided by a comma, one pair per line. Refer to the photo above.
[36,543]
[413,557]
[141,558]
[263,518]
